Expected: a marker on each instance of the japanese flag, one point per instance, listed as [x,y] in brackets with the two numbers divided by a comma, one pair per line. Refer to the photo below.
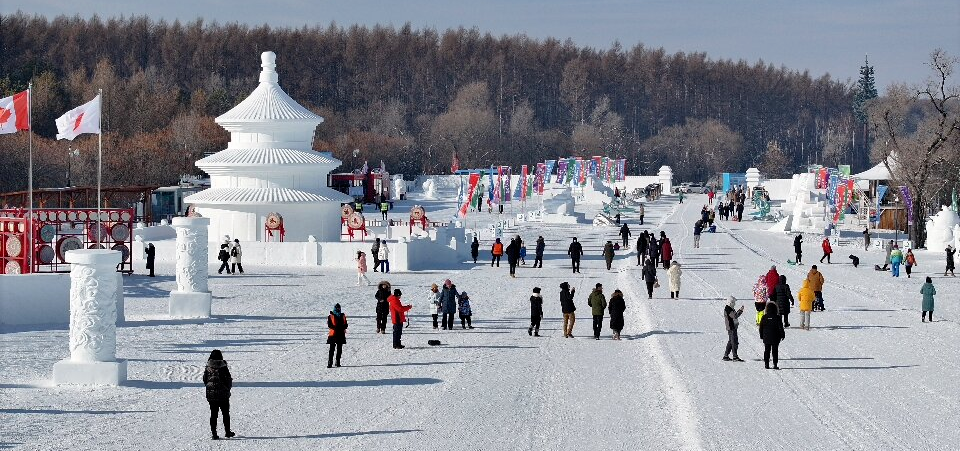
[82,119]
[14,114]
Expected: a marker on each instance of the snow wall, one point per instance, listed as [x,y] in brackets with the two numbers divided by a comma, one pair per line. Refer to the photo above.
[35,299]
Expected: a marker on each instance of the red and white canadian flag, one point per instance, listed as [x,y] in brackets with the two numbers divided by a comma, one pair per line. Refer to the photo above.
[14,113]
[82,119]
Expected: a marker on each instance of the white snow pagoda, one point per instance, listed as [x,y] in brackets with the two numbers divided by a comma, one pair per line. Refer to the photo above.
[269,166]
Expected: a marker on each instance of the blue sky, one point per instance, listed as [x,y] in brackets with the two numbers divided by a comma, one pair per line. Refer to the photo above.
[816,35]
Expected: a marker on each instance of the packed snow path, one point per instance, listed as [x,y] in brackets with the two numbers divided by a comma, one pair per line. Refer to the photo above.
[868,376]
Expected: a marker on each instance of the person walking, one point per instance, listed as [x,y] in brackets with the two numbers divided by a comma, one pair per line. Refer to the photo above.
[523,254]
[375,253]
[466,312]
[449,297]
[896,258]
[654,249]
[436,305]
[697,230]
[568,308]
[640,212]
[806,297]
[398,314]
[772,279]
[731,319]
[575,251]
[384,254]
[680,195]
[888,249]
[909,261]
[950,266]
[513,256]
[797,249]
[866,238]
[784,298]
[740,211]
[475,249]
[674,274]
[151,256]
[383,305]
[616,307]
[337,337]
[597,303]
[666,251]
[827,250]
[384,208]
[218,383]
[815,278]
[236,255]
[496,251]
[362,269]
[536,312]
[224,257]
[928,291]
[625,235]
[642,242]
[538,256]
[608,254]
[649,275]
[772,333]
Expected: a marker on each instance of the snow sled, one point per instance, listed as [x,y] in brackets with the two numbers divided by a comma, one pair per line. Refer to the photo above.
[793,263]
[433,342]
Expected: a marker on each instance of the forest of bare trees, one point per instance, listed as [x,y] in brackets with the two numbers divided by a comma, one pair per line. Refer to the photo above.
[409,97]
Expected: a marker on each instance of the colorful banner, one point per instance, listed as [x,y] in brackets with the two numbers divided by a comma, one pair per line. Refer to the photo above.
[498,191]
[561,171]
[474,200]
[596,165]
[540,177]
[531,179]
[523,176]
[623,169]
[490,184]
[841,194]
[548,171]
[844,169]
[881,191]
[507,176]
[518,191]
[908,203]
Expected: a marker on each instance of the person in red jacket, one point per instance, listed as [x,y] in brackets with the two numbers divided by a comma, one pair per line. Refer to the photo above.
[772,278]
[827,250]
[666,252]
[398,315]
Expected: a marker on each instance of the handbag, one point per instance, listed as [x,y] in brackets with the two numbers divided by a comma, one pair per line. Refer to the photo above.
[656,283]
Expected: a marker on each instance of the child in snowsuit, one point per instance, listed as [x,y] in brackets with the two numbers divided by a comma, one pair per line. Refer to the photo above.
[463,305]
[536,312]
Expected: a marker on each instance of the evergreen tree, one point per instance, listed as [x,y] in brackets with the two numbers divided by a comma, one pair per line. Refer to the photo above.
[866,90]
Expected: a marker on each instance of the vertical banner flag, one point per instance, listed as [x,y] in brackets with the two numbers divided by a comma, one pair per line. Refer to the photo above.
[490,184]
[507,176]
[519,191]
[572,170]
[623,169]
[541,177]
[841,194]
[908,203]
[953,203]
[561,171]
[498,192]
[523,175]
[548,170]
[474,200]
[596,165]
[455,164]
[461,202]
[881,191]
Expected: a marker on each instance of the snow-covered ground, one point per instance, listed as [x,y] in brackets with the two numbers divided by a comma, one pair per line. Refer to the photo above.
[869,375]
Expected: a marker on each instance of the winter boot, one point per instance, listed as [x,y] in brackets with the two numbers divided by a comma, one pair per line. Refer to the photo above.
[230,434]
[530,331]
[671,295]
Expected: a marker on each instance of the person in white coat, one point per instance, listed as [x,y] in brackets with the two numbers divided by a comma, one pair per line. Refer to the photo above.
[674,274]
[383,254]
[236,253]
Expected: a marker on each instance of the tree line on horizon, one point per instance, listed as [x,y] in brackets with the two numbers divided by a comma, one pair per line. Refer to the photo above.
[412,98]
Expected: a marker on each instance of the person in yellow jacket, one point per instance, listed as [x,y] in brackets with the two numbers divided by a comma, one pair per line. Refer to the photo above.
[806,297]
[816,284]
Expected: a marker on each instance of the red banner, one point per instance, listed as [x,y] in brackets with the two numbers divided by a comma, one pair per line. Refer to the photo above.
[474,180]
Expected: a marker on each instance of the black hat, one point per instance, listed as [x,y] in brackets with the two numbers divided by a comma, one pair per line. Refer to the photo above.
[536,289]
[397,292]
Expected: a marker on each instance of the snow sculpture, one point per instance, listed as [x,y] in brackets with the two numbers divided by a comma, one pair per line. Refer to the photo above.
[399,188]
[665,176]
[269,166]
[753,179]
[430,189]
[956,238]
[192,299]
[561,203]
[940,229]
[95,286]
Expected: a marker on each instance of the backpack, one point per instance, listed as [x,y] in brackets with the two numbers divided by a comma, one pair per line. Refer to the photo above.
[213,380]
[233,252]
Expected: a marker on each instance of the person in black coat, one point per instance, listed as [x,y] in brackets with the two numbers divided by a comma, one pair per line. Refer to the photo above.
[575,252]
[642,242]
[475,249]
[649,275]
[616,307]
[513,256]
[536,312]
[151,255]
[772,333]
[740,210]
[654,248]
[541,246]
[218,382]
[568,308]
[950,266]
[383,307]
[784,299]
[224,257]
[625,234]
[797,242]
[337,337]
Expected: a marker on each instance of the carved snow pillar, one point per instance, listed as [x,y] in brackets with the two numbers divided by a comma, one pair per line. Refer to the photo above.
[95,286]
[191,299]
[753,181]
[665,176]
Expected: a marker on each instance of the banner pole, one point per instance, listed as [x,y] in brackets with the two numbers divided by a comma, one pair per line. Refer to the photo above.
[29,224]
[99,164]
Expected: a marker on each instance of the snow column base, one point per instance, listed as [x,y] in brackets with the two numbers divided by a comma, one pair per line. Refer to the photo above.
[67,371]
[185,305]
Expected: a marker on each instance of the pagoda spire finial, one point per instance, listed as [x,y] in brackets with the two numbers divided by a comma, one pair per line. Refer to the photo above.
[268,61]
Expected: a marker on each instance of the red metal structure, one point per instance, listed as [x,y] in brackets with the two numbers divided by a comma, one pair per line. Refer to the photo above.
[366,187]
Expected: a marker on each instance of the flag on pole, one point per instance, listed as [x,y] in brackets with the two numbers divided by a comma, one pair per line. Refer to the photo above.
[548,171]
[506,191]
[82,119]
[455,165]
[523,180]
[15,113]
[540,177]
[473,200]
[908,203]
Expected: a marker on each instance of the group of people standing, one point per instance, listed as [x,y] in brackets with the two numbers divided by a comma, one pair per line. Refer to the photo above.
[230,256]
[597,301]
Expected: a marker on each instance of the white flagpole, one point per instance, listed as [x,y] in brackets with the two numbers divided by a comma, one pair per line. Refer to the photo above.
[99,165]
[30,177]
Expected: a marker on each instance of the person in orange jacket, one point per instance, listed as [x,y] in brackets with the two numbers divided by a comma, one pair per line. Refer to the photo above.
[337,322]
[398,313]
[806,298]
[497,252]
[910,260]
[827,250]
